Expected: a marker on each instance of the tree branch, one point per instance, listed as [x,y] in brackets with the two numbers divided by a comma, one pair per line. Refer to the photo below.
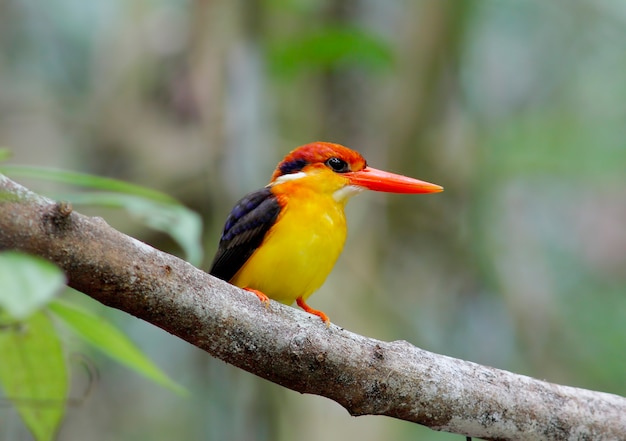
[293,349]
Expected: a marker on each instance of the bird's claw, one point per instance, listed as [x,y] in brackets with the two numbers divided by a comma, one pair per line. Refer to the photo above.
[262,297]
[302,304]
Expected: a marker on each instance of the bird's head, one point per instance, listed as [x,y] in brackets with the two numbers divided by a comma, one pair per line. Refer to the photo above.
[335,169]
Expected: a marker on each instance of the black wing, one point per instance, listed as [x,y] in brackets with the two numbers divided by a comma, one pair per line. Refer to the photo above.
[245,228]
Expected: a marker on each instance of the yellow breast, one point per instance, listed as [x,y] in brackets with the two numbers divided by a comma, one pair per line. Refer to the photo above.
[300,250]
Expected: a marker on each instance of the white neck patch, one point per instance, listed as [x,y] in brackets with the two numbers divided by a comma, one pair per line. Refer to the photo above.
[288,177]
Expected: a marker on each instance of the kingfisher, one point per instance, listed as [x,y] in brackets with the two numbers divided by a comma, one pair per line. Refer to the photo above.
[282,241]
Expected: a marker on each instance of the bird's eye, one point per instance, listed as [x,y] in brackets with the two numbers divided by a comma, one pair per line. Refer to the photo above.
[338,165]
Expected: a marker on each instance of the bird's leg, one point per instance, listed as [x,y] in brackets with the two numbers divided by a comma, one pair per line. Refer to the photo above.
[307,308]
[262,297]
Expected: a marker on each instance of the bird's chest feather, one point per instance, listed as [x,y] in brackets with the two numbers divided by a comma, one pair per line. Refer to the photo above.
[299,251]
[310,227]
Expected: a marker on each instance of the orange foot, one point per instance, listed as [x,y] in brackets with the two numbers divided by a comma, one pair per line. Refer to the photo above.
[262,297]
[307,308]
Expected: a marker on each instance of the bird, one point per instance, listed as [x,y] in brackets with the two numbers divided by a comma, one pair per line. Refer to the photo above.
[282,241]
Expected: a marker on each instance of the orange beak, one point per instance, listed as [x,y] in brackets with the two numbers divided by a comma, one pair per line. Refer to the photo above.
[379,180]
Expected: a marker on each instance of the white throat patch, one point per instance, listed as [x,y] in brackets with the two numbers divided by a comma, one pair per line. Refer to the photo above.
[346,192]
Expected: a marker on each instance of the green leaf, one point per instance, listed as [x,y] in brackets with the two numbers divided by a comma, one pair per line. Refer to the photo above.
[86,180]
[27,283]
[331,47]
[101,334]
[182,224]
[33,372]
[5,154]
[155,209]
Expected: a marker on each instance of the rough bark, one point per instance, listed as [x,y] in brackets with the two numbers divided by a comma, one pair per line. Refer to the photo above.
[294,349]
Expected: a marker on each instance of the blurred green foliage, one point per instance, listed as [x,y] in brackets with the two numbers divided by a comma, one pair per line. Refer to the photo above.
[102,335]
[34,375]
[153,208]
[28,283]
[330,48]
[33,372]
[515,107]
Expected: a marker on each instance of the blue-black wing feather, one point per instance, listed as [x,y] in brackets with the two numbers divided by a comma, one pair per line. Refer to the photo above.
[244,230]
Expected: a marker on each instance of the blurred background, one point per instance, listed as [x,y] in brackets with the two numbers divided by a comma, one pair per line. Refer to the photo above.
[517,108]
